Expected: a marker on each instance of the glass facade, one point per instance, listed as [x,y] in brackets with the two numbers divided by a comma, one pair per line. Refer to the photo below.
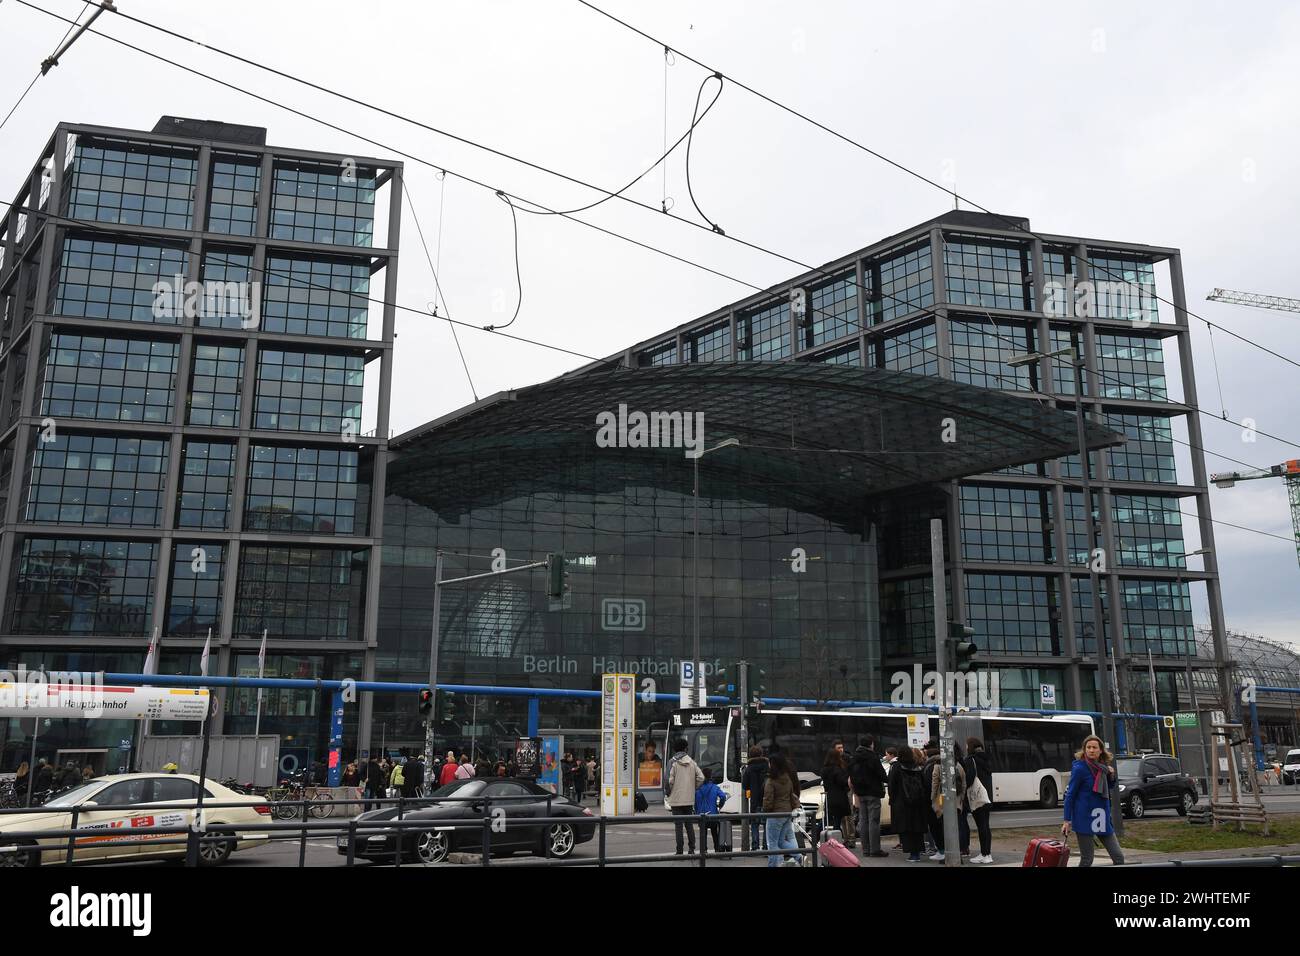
[132,183]
[987,274]
[232,202]
[207,474]
[1012,614]
[980,349]
[625,526]
[832,312]
[114,379]
[323,203]
[303,490]
[97,479]
[309,392]
[300,593]
[316,296]
[83,586]
[194,601]
[905,282]
[712,344]
[915,350]
[215,381]
[101,278]
[1001,523]
[764,334]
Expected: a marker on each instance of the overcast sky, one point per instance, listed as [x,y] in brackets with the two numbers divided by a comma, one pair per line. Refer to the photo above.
[1173,124]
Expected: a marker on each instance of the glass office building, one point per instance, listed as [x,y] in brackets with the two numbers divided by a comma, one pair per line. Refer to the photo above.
[211,459]
[188,318]
[950,300]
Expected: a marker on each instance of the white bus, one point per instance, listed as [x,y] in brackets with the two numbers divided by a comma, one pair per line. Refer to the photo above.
[1030,755]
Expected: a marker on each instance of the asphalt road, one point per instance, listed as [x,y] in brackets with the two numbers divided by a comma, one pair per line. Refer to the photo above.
[643,838]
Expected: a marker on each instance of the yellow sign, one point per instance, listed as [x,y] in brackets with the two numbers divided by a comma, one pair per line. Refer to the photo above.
[1169,722]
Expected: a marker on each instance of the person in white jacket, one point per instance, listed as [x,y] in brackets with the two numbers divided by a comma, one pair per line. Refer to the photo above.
[684,776]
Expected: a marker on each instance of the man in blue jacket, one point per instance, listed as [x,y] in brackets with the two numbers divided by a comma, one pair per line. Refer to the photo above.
[1087,802]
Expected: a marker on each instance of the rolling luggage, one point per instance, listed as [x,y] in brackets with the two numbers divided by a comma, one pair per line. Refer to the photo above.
[833,852]
[1046,853]
[723,841]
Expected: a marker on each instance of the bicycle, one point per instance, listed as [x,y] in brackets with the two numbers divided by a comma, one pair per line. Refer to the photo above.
[288,799]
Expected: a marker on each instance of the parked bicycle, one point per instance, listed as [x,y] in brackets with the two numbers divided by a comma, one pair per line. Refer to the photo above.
[294,794]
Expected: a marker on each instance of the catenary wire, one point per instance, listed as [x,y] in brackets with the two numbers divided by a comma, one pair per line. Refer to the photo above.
[743,242]
[13,109]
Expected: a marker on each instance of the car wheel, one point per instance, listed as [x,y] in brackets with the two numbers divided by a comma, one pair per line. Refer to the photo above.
[431,847]
[1186,803]
[25,856]
[1136,807]
[1047,794]
[560,840]
[214,852]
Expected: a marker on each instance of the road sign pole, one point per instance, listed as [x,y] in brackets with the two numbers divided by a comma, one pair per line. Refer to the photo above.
[433,667]
[947,759]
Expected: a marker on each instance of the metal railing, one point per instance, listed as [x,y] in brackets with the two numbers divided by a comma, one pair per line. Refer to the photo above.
[584,828]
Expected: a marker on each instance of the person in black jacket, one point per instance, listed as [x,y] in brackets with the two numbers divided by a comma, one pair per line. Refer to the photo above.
[909,800]
[375,782]
[413,777]
[751,782]
[978,768]
[867,778]
[835,784]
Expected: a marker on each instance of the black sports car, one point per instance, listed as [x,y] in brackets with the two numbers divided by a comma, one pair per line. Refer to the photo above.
[509,802]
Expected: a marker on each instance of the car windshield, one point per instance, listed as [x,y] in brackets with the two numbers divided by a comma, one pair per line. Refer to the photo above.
[1128,767]
[461,788]
[1292,757]
[74,796]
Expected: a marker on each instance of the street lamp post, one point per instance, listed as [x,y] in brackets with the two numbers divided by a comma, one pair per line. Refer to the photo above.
[1191,682]
[695,562]
[1103,674]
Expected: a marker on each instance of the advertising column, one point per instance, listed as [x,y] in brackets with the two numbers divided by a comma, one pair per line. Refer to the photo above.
[617,741]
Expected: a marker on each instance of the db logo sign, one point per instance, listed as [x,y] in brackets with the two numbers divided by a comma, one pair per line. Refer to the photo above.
[622,615]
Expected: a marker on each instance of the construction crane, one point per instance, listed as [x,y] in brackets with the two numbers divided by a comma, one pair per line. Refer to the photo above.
[1288,471]
[1275,302]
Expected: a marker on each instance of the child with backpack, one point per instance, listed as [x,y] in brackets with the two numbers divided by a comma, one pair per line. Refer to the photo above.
[709,798]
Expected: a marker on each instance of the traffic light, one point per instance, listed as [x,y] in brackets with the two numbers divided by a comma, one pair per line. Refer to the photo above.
[446,707]
[556,576]
[426,703]
[963,648]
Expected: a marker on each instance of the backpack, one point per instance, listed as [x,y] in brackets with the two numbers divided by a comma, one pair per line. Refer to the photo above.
[912,787]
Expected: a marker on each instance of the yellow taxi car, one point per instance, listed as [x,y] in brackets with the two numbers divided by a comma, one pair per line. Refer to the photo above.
[107,807]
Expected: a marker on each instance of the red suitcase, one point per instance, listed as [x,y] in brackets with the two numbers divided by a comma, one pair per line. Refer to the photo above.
[1046,853]
[835,853]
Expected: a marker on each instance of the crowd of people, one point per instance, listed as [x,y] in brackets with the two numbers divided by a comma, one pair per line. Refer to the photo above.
[856,785]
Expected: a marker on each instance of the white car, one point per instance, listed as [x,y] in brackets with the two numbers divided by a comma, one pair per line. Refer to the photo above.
[813,799]
[105,804]
[1291,767]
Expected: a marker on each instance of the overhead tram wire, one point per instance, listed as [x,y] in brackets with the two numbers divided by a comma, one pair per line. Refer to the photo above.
[410,203]
[923,312]
[670,255]
[294,280]
[751,245]
[1011,223]
[519,281]
[13,109]
[398,152]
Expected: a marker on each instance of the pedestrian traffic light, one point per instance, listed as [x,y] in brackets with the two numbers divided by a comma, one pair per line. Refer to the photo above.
[426,702]
[556,576]
[963,648]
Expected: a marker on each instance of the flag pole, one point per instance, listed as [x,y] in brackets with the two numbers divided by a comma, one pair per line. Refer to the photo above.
[261,667]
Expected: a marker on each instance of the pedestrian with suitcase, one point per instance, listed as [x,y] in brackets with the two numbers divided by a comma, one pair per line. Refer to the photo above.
[1087,801]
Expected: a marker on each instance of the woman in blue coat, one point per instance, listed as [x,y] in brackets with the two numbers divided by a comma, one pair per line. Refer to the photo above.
[1087,801]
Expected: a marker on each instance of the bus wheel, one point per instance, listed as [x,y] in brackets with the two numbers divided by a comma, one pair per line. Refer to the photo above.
[1047,794]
